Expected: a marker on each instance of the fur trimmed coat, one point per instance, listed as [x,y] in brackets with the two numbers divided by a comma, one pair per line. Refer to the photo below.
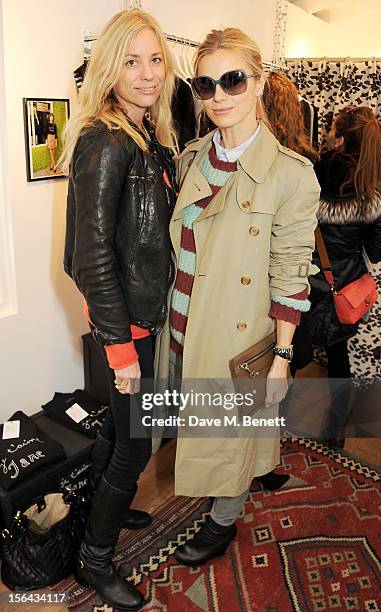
[348,224]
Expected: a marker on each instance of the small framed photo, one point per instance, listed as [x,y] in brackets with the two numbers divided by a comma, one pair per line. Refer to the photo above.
[44,121]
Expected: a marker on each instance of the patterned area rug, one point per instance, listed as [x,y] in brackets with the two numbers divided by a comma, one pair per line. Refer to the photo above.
[313,545]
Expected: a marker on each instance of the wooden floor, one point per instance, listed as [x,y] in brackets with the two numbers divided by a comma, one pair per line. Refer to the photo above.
[367,449]
[157,483]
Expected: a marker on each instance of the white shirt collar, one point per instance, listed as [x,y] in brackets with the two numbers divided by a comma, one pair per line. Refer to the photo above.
[231,155]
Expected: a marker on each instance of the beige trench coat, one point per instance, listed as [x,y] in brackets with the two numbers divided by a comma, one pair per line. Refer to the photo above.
[254,240]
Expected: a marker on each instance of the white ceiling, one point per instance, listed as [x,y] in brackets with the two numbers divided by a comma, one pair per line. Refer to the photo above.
[335,10]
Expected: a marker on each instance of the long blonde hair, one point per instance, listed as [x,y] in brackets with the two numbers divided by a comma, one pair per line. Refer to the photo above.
[97,100]
[234,39]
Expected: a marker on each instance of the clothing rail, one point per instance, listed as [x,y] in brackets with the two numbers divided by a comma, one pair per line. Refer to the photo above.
[90,38]
[333,59]
[272,66]
[192,43]
[182,41]
[171,37]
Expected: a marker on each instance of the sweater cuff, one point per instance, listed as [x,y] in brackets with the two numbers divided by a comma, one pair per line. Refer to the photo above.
[289,308]
[121,355]
[277,311]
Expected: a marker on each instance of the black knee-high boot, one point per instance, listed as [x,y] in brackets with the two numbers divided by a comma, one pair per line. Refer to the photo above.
[102,452]
[94,566]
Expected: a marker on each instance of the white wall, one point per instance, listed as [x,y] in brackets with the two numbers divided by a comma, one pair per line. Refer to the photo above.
[357,36]
[308,36]
[8,301]
[195,18]
[40,345]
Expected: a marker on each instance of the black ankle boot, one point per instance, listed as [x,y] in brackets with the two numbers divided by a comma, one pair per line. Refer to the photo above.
[211,541]
[100,458]
[272,481]
[94,567]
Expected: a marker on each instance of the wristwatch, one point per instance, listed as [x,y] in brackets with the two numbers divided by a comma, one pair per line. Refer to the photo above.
[285,353]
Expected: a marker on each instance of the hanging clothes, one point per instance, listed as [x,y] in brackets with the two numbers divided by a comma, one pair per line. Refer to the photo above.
[331,85]
[183,113]
[79,75]
[311,121]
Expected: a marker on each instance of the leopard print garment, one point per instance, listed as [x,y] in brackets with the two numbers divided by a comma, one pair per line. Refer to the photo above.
[330,86]
[365,347]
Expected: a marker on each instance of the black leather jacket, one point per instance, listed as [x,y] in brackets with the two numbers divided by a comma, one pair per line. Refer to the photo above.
[118,248]
[348,224]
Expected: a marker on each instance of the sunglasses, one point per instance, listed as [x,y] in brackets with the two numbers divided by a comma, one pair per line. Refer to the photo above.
[232,83]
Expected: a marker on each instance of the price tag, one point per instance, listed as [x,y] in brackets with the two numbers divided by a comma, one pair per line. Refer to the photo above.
[77,413]
[11,429]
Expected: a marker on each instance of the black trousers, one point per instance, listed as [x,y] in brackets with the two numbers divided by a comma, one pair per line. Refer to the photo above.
[338,360]
[131,454]
[339,374]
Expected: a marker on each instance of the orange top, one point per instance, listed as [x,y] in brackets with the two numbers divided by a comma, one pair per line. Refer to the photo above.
[122,355]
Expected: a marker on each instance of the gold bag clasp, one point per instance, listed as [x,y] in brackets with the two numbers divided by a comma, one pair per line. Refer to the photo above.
[244,366]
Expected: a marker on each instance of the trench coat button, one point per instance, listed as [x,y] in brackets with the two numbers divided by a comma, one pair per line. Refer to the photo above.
[253,230]
[246,204]
[245,280]
[241,326]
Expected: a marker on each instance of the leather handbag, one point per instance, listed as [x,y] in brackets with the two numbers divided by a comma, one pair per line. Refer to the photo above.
[355,299]
[42,543]
[250,368]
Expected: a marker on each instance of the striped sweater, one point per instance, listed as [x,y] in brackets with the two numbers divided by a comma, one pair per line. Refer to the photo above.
[216,173]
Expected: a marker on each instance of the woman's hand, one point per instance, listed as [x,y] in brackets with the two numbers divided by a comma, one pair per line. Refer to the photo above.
[277,381]
[127,380]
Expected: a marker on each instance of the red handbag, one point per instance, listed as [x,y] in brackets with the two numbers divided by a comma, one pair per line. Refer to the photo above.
[353,300]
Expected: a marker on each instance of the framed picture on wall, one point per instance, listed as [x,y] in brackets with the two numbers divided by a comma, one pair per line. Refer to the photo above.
[44,121]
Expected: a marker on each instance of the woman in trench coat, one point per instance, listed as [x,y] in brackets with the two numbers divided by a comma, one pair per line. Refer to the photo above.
[243,236]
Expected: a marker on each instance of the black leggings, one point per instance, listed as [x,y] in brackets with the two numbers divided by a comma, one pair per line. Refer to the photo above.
[131,454]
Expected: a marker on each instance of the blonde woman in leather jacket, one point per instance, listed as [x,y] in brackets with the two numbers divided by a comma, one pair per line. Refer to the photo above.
[121,195]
